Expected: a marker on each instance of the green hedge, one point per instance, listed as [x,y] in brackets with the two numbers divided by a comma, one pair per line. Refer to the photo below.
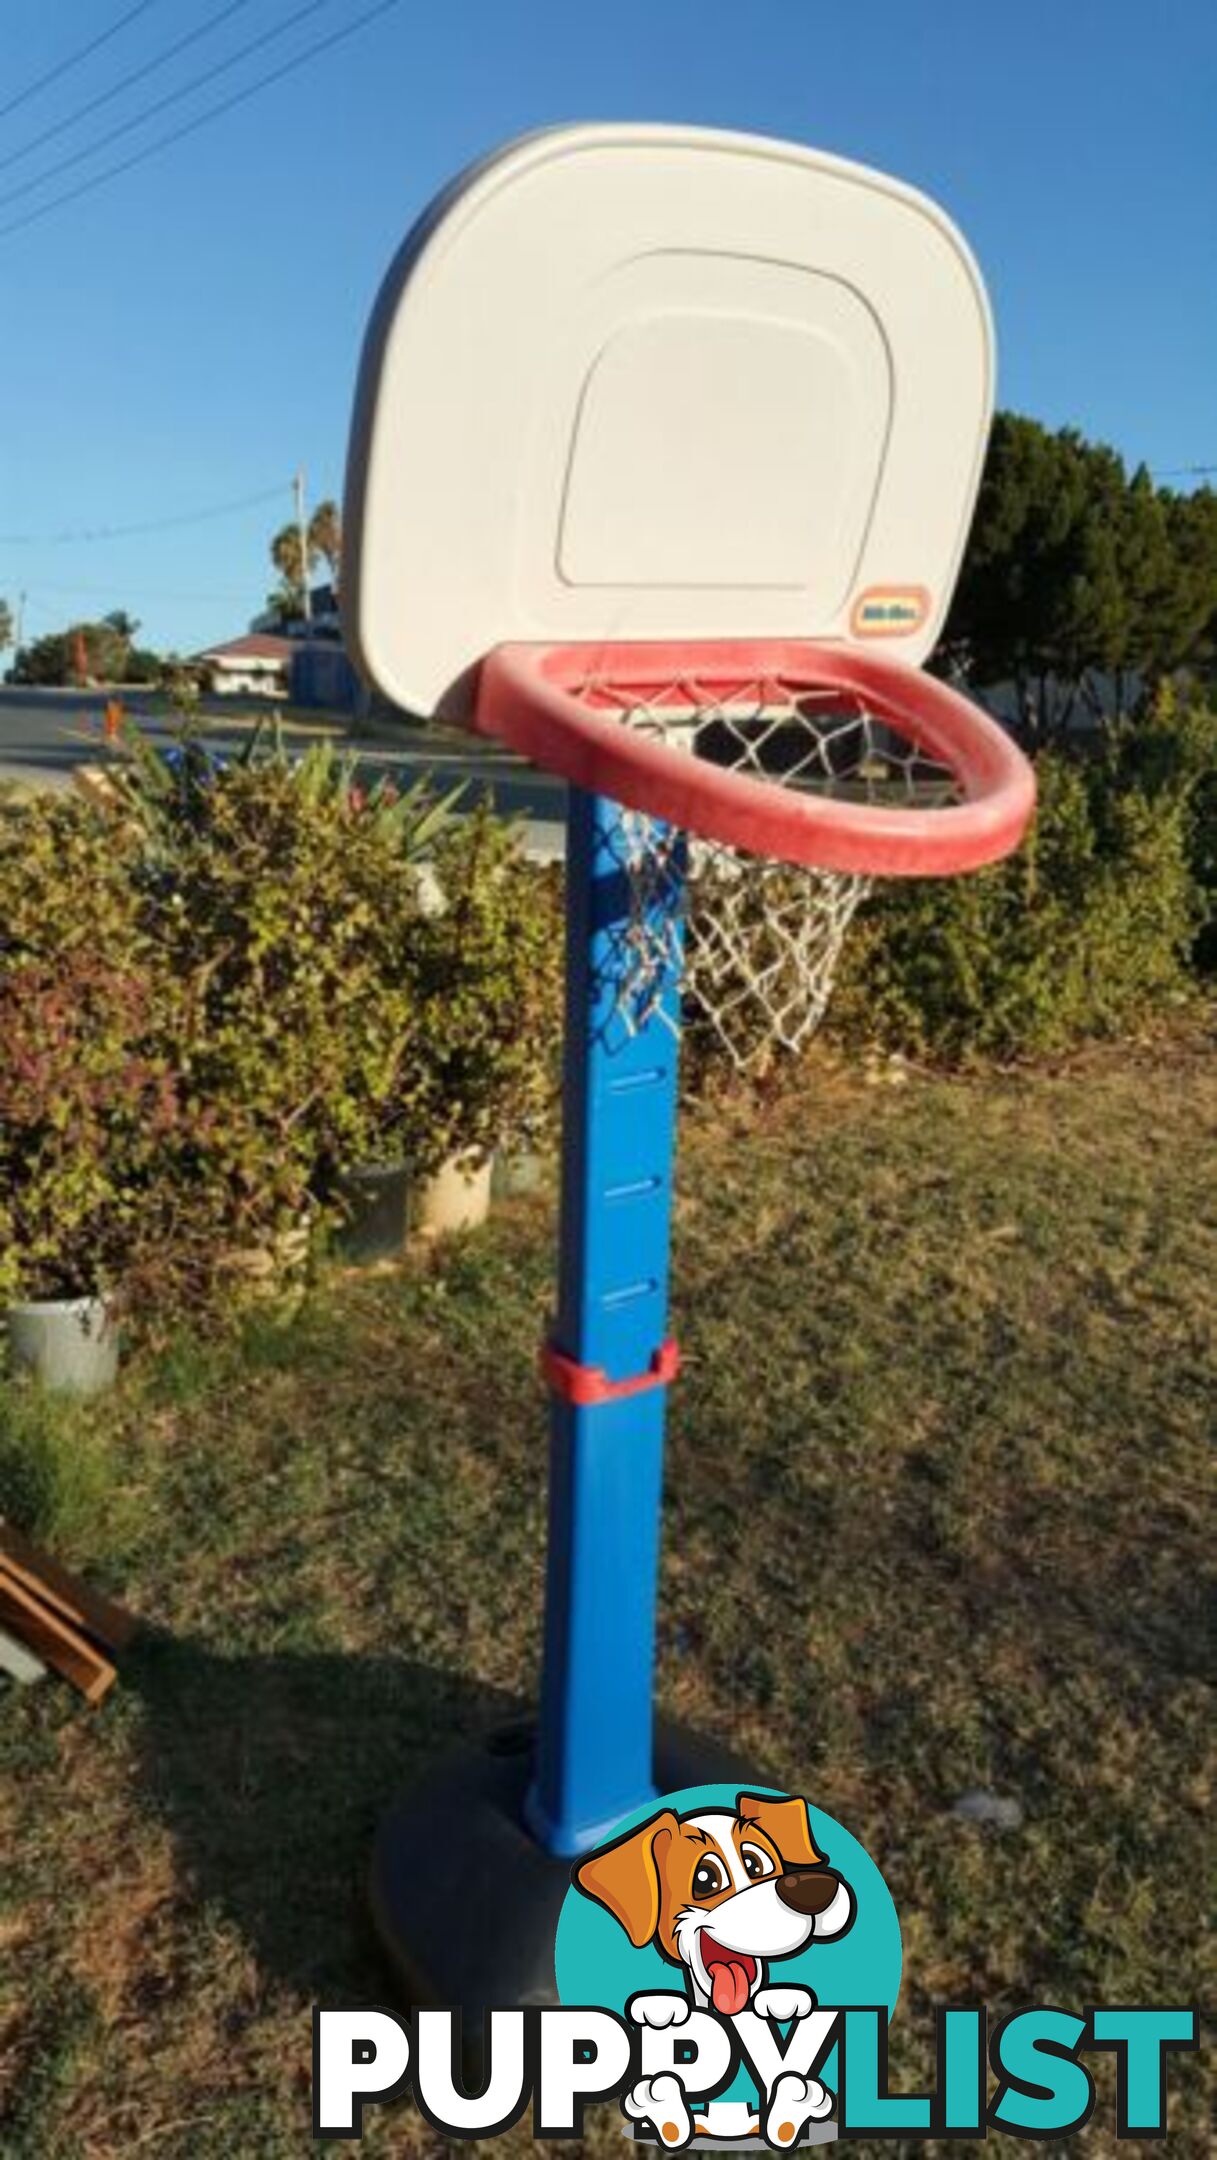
[1101,921]
[221,984]
[89,1010]
[230,982]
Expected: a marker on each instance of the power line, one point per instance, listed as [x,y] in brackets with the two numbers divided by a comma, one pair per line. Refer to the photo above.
[125,82]
[213,112]
[146,592]
[32,606]
[74,59]
[1180,472]
[146,525]
[162,104]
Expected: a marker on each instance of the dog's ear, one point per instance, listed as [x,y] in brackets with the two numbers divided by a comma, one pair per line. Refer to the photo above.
[786,1822]
[625,1876]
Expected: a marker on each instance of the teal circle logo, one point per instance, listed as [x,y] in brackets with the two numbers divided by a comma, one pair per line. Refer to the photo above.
[642,1918]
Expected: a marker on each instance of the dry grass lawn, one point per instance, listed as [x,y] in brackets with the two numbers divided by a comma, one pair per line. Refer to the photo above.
[935,1521]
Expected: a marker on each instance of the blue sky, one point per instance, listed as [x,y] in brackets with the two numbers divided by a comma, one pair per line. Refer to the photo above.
[187,334]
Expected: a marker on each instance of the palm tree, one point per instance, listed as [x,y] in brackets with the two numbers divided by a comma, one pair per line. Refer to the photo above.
[285,552]
[325,538]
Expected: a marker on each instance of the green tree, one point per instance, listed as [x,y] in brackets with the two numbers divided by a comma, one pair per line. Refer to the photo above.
[6,625]
[1079,581]
[325,538]
[55,659]
[289,560]
[45,660]
[323,544]
[285,553]
[283,602]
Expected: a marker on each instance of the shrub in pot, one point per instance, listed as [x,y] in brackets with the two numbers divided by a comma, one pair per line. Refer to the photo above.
[371,1203]
[484,963]
[283,895]
[88,1097]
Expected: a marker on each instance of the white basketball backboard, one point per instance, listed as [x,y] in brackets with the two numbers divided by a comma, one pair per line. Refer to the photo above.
[629,382]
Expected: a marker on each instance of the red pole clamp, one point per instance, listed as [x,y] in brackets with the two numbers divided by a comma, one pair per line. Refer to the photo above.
[588,1385]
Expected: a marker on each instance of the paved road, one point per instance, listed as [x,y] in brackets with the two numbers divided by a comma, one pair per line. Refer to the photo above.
[45,734]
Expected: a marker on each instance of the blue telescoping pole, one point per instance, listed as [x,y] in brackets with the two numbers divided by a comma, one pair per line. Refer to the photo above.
[606,1455]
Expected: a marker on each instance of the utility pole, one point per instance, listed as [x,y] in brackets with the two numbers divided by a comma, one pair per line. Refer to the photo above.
[19,627]
[302,529]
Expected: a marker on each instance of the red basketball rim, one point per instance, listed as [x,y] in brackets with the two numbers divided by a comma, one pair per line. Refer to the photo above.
[543,700]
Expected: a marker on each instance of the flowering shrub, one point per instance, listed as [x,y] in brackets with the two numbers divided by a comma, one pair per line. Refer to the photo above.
[223,982]
[88,1101]
[89,1098]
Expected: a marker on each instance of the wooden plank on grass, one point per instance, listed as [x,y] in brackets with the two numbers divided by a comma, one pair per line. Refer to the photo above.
[64,1592]
[53,1639]
[19,1663]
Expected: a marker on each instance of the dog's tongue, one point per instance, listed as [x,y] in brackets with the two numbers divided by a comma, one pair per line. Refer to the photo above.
[728,1986]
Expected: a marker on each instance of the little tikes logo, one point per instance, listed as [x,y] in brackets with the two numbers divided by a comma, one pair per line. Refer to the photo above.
[889,611]
[727,1964]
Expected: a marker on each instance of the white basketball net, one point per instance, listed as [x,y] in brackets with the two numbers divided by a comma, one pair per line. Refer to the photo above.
[762,939]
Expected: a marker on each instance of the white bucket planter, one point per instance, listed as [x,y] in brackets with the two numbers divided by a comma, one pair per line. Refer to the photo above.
[70,1344]
[457,1197]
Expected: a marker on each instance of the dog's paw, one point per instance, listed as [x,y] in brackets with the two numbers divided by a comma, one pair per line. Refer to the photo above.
[783,2003]
[793,2103]
[658,2011]
[661,2102]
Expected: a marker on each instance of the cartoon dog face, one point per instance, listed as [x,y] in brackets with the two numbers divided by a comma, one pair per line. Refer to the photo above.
[719,1892]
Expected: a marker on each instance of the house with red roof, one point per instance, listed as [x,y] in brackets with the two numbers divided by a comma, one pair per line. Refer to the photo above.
[257,664]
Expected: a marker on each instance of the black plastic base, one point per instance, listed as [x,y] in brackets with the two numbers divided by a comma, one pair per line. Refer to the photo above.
[464,1900]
